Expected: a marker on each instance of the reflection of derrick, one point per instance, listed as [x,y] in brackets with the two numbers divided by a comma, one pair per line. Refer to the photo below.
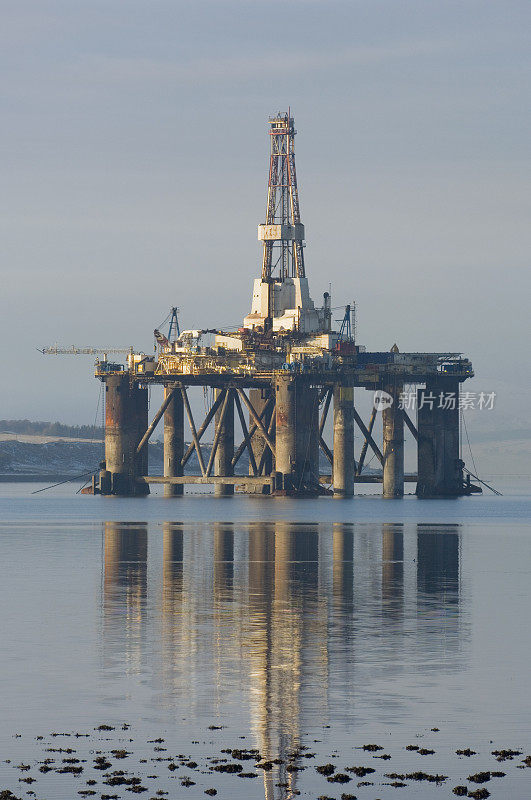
[287,637]
[258,640]
[125,584]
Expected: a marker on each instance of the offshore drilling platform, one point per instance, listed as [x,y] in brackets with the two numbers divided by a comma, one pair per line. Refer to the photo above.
[280,373]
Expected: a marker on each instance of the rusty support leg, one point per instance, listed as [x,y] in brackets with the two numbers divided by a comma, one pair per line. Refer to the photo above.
[285,448]
[225,442]
[173,440]
[297,435]
[393,445]
[343,459]
[125,421]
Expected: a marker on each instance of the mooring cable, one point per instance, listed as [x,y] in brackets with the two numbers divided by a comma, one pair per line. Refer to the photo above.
[484,483]
[68,480]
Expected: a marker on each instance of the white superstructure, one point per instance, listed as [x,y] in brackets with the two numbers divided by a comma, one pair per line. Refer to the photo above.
[291,305]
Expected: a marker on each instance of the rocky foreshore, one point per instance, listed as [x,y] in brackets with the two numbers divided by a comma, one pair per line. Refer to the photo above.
[110,758]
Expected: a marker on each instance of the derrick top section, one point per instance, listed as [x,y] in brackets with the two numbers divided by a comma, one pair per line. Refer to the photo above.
[282,123]
[281,300]
[282,233]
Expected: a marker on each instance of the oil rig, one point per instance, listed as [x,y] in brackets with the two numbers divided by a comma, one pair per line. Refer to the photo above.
[280,374]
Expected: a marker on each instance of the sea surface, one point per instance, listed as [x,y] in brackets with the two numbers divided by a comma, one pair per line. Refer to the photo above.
[270,635]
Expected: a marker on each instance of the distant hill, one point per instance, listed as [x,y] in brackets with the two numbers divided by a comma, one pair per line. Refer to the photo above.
[26,426]
[62,459]
[37,457]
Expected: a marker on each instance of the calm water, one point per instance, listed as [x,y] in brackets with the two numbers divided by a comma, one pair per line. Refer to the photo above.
[326,624]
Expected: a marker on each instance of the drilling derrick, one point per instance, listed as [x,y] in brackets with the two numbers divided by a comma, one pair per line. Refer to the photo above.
[281,299]
[283,232]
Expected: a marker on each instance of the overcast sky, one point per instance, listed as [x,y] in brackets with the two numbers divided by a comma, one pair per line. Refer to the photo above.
[134,150]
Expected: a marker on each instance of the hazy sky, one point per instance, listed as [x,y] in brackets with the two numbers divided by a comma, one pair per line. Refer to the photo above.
[134,148]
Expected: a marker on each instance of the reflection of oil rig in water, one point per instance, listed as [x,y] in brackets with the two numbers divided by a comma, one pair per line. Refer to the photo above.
[280,373]
[310,617]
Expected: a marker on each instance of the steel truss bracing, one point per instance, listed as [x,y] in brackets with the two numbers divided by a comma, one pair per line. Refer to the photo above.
[282,434]
[268,408]
[284,253]
[241,399]
[238,395]
[327,396]
[366,430]
[221,402]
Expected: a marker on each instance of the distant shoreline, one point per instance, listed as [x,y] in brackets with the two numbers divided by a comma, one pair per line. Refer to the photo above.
[41,478]
[40,438]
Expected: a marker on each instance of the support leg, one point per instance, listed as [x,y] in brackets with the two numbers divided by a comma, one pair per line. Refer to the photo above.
[297,435]
[343,456]
[440,472]
[285,444]
[225,444]
[393,445]
[173,441]
[126,415]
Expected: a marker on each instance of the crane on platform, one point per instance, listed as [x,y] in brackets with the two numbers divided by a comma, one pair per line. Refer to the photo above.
[73,350]
[174,330]
[345,331]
